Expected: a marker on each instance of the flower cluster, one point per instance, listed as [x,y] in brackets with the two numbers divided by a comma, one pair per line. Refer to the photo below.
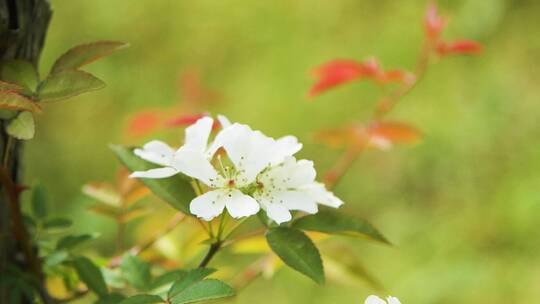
[241,170]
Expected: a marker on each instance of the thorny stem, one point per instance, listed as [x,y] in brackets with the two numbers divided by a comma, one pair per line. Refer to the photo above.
[384,106]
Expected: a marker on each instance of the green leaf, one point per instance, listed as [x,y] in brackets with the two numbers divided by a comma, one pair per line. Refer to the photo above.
[70,241]
[135,271]
[20,72]
[90,274]
[84,54]
[187,279]
[209,289]
[22,126]
[13,101]
[7,114]
[112,298]
[56,257]
[166,278]
[39,202]
[174,190]
[297,251]
[67,84]
[334,222]
[143,299]
[57,223]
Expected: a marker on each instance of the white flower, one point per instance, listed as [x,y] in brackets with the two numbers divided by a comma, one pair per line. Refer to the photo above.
[259,172]
[377,300]
[289,186]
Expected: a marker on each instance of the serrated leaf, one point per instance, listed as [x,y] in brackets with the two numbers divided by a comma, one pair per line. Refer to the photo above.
[71,241]
[143,299]
[334,222]
[296,250]
[174,190]
[39,202]
[20,72]
[209,289]
[135,271]
[12,101]
[84,54]
[90,274]
[187,279]
[22,127]
[57,223]
[67,84]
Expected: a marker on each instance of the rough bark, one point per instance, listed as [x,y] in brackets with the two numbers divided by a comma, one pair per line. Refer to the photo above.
[23,26]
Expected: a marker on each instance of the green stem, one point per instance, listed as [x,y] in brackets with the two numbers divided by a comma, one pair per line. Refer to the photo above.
[214,248]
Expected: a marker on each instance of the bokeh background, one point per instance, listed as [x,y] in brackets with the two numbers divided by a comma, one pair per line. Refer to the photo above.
[462,207]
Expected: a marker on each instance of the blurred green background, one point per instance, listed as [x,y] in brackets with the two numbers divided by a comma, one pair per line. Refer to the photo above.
[462,207]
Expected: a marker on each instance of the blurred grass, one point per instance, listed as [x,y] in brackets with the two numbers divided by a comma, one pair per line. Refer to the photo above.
[463,207]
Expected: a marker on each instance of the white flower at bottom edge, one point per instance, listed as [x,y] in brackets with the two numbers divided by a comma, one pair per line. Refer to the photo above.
[377,300]
[290,186]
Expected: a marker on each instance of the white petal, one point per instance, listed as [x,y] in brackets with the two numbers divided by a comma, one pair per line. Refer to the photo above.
[250,151]
[240,205]
[197,134]
[296,200]
[285,147]
[393,300]
[374,300]
[155,173]
[224,121]
[276,211]
[208,205]
[290,174]
[194,163]
[322,196]
[156,152]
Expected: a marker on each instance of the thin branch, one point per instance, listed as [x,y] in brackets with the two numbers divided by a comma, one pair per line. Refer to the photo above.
[214,248]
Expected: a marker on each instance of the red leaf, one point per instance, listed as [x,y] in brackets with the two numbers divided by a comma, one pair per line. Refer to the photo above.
[434,23]
[335,73]
[341,71]
[187,120]
[192,89]
[384,135]
[459,47]
[143,123]
[342,137]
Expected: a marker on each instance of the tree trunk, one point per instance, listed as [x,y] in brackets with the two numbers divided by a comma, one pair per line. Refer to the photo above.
[23,25]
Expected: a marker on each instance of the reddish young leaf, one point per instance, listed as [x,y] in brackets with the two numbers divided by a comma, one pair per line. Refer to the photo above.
[383,135]
[434,23]
[342,71]
[192,89]
[341,137]
[187,120]
[459,47]
[143,123]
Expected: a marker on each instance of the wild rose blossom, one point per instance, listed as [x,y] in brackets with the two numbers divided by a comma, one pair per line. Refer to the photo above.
[257,172]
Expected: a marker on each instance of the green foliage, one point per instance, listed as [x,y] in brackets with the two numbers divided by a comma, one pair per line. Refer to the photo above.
[175,190]
[39,202]
[84,54]
[91,275]
[297,251]
[209,289]
[335,222]
[69,242]
[22,126]
[142,299]
[166,278]
[57,223]
[191,287]
[67,84]
[20,72]
[135,271]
